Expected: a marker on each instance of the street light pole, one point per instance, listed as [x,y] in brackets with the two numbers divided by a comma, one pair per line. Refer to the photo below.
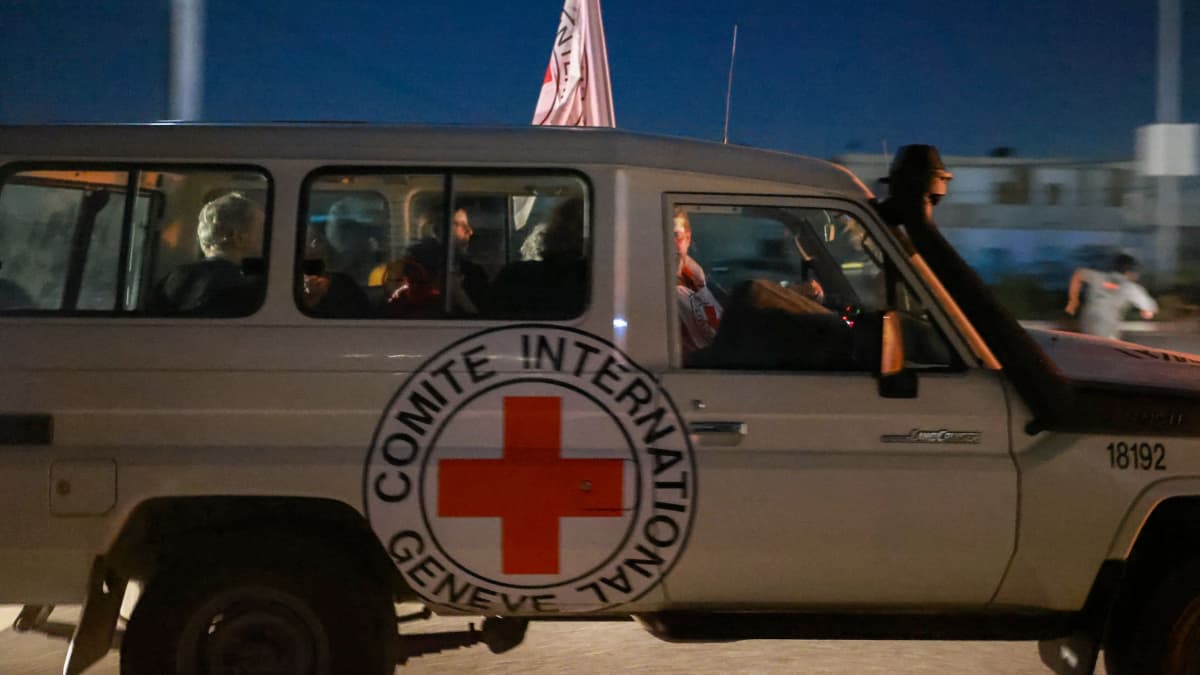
[186,73]
[729,87]
[1170,20]
[1168,214]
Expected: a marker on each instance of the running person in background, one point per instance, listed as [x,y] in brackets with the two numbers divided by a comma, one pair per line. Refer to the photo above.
[1109,295]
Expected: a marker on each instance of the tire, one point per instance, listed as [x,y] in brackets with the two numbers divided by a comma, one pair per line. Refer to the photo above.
[1160,635]
[279,615]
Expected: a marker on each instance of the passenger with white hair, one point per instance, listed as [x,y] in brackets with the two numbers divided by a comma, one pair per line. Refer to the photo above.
[229,231]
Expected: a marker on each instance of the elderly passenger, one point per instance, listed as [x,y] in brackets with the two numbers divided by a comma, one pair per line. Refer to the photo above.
[230,230]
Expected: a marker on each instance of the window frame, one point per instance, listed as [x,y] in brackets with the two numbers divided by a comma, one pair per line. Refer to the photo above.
[888,244]
[448,175]
[133,168]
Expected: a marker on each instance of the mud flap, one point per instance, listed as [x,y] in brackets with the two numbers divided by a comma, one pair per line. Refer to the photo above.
[97,627]
[1074,654]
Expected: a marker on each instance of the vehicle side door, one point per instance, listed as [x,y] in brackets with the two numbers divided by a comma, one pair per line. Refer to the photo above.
[816,484]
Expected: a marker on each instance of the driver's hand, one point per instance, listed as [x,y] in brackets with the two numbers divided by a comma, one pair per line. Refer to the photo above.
[1072,307]
[812,290]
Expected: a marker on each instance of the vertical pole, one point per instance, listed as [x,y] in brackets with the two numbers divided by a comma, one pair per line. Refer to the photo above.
[729,87]
[1168,215]
[185,89]
[1169,33]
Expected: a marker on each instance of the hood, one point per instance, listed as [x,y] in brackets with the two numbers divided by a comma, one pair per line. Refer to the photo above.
[1085,358]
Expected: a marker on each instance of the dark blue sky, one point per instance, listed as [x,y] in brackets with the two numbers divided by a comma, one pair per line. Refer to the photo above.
[1048,77]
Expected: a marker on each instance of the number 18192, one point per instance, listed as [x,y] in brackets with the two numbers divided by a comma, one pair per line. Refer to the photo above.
[1137,456]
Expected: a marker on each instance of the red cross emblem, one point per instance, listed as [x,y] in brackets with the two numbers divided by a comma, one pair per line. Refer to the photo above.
[531,487]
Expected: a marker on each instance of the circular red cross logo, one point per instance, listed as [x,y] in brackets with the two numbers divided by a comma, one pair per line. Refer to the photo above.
[531,469]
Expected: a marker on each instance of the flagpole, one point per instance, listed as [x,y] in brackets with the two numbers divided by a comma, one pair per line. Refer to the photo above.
[612,115]
[729,87]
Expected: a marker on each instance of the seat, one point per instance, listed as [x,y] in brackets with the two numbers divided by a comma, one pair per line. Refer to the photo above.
[769,327]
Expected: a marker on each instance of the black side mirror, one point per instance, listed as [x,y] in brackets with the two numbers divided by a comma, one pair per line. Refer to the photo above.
[313,267]
[895,381]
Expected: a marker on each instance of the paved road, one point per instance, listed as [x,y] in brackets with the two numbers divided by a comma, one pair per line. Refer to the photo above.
[624,647]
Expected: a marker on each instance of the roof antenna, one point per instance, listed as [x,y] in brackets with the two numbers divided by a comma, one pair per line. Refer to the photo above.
[729,87]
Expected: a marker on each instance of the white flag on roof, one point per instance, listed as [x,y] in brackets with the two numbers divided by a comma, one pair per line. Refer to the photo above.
[576,91]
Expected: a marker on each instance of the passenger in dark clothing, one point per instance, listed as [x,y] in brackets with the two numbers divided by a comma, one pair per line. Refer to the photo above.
[229,231]
[468,284]
[408,291]
[335,296]
[556,286]
[355,233]
[210,287]
[332,295]
[545,289]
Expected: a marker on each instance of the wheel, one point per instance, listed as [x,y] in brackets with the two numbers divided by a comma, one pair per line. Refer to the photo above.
[1161,634]
[282,615]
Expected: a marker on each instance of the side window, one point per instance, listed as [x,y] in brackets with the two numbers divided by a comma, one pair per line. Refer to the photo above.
[143,241]
[783,288]
[435,245]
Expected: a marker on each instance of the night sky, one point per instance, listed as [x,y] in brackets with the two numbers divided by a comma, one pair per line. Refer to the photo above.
[1046,77]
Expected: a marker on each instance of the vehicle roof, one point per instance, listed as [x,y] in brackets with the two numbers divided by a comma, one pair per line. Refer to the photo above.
[347,143]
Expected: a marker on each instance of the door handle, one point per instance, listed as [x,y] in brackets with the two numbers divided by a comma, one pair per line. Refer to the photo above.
[26,429]
[739,428]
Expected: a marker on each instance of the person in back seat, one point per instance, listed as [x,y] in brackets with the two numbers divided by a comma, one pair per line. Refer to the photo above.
[468,281]
[229,231]
[355,230]
[556,285]
[407,290]
[326,293]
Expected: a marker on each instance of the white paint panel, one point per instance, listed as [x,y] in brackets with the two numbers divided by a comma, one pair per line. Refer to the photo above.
[810,508]
[83,487]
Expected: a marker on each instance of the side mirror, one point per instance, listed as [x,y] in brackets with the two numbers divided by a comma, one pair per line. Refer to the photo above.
[895,381]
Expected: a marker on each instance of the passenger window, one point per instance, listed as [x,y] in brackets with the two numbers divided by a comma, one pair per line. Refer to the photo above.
[144,241]
[778,288]
[407,245]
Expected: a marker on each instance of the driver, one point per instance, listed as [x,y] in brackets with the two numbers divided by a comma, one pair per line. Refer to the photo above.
[917,179]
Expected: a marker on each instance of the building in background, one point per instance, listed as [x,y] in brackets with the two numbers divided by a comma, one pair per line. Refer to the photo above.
[1024,224]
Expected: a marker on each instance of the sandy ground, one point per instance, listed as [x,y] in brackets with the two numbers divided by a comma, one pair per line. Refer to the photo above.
[624,647]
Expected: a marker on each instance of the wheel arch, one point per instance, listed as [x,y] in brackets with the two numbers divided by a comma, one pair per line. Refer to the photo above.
[1168,506]
[1160,530]
[160,530]
[1159,540]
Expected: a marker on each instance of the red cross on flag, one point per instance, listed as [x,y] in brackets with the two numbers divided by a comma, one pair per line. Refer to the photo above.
[577,91]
